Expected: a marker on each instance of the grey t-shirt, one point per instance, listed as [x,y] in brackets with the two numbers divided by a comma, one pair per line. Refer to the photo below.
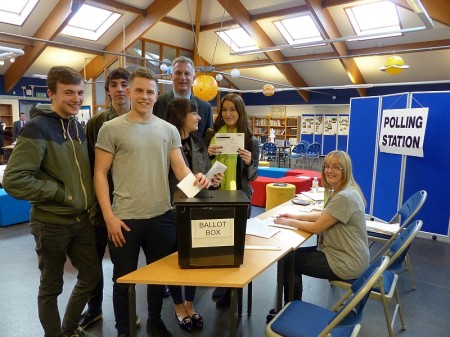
[345,243]
[140,166]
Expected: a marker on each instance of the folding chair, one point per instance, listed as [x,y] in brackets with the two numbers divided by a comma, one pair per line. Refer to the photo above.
[312,154]
[297,153]
[387,289]
[269,151]
[404,216]
[302,319]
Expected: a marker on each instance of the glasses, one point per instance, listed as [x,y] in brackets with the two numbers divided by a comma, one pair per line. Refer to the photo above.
[334,167]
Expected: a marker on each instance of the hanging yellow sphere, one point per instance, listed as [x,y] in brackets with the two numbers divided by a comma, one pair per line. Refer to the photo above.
[394,65]
[205,87]
[268,89]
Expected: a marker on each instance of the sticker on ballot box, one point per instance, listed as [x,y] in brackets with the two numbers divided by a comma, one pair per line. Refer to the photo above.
[212,233]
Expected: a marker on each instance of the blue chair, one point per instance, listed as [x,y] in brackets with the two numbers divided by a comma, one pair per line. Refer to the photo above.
[403,217]
[269,151]
[302,319]
[312,154]
[385,292]
[297,154]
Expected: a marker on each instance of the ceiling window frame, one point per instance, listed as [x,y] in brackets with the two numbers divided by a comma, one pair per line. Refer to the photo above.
[232,35]
[286,29]
[16,16]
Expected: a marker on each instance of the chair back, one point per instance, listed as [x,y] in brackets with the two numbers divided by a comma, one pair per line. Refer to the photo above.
[411,207]
[299,148]
[313,149]
[269,148]
[350,313]
[399,248]
[304,142]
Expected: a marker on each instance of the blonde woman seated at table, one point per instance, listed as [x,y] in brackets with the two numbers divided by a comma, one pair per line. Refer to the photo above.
[183,114]
[342,252]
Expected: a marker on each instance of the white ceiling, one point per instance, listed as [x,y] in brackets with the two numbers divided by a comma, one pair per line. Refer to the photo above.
[315,67]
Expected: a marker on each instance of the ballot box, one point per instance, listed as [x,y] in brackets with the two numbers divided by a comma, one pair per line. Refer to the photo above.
[211,228]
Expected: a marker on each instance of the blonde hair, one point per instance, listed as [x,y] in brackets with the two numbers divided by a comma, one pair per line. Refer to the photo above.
[347,174]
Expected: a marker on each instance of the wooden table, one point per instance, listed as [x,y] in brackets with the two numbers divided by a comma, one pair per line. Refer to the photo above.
[166,271]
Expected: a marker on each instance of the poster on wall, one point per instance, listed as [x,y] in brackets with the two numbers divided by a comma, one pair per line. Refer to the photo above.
[331,125]
[343,125]
[307,125]
[319,125]
[84,114]
[403,131]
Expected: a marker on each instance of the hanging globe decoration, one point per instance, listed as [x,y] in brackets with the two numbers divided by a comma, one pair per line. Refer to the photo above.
[235,73]
[219,77]
[268,89]
[205,87]
[394,65]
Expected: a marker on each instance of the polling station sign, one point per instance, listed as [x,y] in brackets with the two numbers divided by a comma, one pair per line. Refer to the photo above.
[403,131]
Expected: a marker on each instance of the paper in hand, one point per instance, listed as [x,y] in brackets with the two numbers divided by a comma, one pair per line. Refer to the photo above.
[187,186]
[218,167]
[230,142]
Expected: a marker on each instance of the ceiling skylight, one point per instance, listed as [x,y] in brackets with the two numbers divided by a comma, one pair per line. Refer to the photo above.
[238,39]
[374,18]
[90,22]
[16,12]
[300,29]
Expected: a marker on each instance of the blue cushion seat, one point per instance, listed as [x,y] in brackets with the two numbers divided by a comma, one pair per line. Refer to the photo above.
[272,172]
[13,211]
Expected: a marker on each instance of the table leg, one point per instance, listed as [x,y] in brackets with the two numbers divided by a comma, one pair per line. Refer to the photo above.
[291,275]
[132,309]
[280,284]
[249,298]
[233,312]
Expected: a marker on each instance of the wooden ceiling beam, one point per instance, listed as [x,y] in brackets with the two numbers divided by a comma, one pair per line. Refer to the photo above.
[121,6]
[154,13]
[240,14]
[330,30]
[51,26]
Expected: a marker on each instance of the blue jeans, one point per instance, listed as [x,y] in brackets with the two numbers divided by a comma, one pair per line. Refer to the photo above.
[157,238]
[308,261]
[53,244]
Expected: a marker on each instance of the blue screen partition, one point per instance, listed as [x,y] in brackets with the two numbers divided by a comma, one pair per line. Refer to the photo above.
[431,172]
[387,182]
[342,143]
[384,188]
[362,141]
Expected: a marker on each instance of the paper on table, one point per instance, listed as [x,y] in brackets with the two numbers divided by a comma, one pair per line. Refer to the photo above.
[230,142]
[316,196]
[187,186]
[270,222]
[258,227]
[218,167]
[381,227]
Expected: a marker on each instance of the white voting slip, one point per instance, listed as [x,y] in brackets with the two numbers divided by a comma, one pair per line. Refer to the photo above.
[258,227]
[382,227]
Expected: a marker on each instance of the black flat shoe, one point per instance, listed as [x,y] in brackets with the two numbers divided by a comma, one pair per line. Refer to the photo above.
[197,320]
[185,323]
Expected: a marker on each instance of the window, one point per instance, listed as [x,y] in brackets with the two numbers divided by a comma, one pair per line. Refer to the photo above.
[238,39]
[301,29]
[374,18]
[90,23]
[16,12]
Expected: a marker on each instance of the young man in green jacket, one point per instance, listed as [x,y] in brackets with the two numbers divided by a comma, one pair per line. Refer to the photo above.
[50,167]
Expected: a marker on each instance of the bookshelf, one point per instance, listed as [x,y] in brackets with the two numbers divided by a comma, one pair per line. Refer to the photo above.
[6,116]
[284,127]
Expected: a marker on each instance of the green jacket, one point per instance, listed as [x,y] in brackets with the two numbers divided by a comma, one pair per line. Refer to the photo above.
[50,167]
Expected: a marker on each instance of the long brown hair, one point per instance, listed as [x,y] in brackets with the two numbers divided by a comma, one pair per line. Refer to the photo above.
[242,125]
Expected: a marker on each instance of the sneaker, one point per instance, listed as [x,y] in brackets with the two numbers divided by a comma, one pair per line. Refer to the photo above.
[79,332]
[87,318]
[158,329]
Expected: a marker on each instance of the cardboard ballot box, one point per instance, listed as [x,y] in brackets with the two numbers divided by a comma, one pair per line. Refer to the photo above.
[211,228]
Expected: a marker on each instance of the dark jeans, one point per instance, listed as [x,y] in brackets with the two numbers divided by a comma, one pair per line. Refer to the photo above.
[53,244]
[177,295]
[157,238]
[308,261]
[101,241]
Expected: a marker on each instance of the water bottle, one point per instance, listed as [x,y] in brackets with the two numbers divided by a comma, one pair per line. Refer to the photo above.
[315,184]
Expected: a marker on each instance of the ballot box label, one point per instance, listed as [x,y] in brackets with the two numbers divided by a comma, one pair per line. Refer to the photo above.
[212,232]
